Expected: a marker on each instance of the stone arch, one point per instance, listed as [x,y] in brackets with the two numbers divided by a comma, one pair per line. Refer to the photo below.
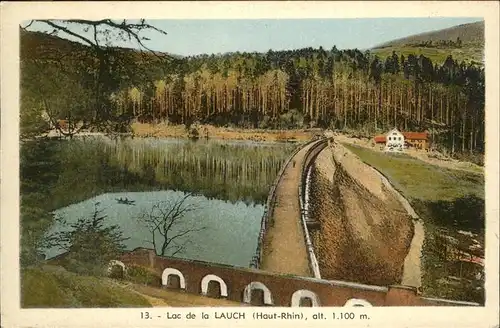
[171,271]
[212,277]
[114,263]
[357,302]
[302,293]
[247,293]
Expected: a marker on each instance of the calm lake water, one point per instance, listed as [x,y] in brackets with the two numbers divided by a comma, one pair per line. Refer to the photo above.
[229,182]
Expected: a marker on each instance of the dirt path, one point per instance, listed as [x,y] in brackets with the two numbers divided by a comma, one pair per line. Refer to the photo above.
[155,302]
[160,297]
[412,273]
[284,246]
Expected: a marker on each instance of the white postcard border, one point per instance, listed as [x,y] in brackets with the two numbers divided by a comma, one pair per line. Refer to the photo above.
[12,14]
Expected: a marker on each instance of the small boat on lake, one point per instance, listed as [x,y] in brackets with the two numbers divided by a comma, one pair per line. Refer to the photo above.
[125,201]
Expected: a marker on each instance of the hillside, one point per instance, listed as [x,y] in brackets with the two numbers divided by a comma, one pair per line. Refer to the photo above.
[468,33]
[53,286]
[464,42]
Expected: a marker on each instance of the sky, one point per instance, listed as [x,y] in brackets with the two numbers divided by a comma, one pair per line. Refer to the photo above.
[202,36]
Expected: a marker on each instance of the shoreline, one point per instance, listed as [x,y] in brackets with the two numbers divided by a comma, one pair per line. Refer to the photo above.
[162,130]
[148,130]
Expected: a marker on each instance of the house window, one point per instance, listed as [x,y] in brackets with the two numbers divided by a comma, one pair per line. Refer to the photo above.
[389,138]
[399,138]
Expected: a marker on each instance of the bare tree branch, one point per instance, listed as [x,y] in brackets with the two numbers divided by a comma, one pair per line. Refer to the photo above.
[169,221]
[68,31]
[29,24]
[95,35]
[100,47]
[181,234]
[131,30]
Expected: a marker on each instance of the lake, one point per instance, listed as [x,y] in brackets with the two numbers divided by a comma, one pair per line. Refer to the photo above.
[229,182]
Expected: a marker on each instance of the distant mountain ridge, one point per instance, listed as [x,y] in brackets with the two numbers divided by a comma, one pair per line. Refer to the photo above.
[468,33]
[465,43]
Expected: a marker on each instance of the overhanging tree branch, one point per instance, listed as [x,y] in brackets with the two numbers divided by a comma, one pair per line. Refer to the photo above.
[100,49]
[124,28]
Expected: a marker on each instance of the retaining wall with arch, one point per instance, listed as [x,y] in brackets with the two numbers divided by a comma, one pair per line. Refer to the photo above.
[240,284]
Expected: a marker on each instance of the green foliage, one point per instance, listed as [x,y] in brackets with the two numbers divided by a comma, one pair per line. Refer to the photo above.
[53,287]
[32,122]
[292,119]
[437,269]
[436,55]
[90,244]
[265,123]
[466,212]
[141,275]
[193,133]
[76,82]
[54,91]
[34,222]
[39,168]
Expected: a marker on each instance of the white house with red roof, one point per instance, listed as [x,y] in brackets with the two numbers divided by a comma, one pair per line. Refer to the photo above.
[396,141]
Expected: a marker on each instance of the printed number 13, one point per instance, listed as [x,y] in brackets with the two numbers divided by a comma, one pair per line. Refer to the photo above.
[145,315]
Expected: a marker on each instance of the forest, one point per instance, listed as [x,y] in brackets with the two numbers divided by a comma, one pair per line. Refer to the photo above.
[345,90]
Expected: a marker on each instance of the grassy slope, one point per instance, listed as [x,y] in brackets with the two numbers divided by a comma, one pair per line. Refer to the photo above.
[433,192]
[471,32]
[419,180]
[53,287]
[472,36]
[467,53]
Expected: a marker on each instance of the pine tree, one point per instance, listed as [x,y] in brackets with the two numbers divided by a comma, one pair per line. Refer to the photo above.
[89,243]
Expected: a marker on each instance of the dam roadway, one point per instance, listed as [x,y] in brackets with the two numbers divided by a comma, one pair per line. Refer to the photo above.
[285,249]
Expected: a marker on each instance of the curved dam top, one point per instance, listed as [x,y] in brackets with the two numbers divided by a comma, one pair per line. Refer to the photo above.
[285,249]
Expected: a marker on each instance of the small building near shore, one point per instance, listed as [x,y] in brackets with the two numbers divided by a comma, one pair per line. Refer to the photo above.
[394,141]
[397,141]
[62,124]
[417,140]
[67,126]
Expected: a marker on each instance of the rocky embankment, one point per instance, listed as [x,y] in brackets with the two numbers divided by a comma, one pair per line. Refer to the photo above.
[365,232]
